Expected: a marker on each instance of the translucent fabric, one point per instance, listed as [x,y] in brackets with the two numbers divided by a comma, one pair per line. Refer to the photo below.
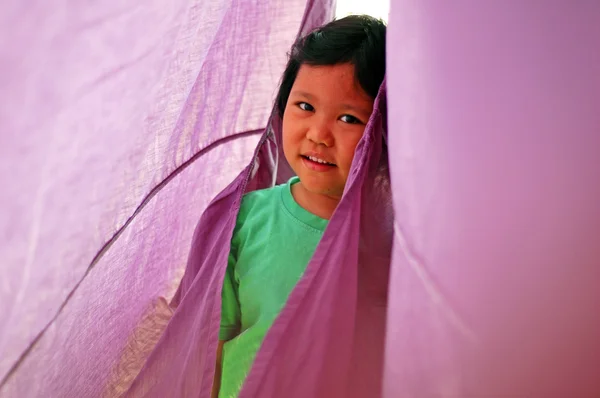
[494,140]
[121,123]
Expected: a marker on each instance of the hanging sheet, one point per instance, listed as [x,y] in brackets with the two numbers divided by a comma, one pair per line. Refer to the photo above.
[119,122]
[495,167]
[110,152]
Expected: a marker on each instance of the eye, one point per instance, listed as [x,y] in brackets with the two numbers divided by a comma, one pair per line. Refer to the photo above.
[305,106]
[350,119]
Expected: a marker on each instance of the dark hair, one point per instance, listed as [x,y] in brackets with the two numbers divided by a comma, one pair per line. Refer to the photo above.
[356,39]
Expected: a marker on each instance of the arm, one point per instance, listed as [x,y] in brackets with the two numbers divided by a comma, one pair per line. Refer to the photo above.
[217,379]
[230,320]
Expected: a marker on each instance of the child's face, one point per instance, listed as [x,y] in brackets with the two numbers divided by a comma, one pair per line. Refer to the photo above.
[324,119]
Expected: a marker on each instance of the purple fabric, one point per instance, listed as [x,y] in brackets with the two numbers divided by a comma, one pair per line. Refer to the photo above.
[495,131]
[119,123]
[110,150]
[328,340]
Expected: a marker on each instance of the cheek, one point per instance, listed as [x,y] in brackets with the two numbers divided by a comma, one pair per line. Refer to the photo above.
[290,142]
[285,128]
[291,130]
[347,149]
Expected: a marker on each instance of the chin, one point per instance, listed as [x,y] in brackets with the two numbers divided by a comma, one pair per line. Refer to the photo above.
[321,188]
[319,183]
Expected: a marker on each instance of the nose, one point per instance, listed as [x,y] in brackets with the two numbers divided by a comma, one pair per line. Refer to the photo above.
[320,133]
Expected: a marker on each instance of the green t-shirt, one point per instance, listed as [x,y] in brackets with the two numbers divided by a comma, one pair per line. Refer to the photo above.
[273,241]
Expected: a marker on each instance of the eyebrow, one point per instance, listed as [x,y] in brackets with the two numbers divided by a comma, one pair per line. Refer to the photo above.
[304,94]
[349,107]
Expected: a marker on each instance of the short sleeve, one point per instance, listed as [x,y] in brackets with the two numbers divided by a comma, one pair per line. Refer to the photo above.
[230,308]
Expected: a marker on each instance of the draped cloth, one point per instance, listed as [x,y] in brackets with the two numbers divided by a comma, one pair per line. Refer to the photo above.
[494,137]
[121,123]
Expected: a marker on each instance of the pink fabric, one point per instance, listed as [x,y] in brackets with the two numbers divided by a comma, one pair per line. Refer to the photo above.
[328,340]
[120,122]
[495,138]
[109,152]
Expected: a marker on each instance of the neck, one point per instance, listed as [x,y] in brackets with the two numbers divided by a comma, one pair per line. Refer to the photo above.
[318,204]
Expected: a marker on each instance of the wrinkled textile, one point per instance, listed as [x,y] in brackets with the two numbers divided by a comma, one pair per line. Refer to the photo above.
[110,150]
[495,131]
[120,122]
[341,320]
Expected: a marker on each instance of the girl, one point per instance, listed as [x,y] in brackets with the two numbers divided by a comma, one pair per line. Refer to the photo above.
[325,99]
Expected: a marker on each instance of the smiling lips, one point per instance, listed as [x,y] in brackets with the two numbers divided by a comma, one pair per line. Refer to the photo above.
[317,163]
[317,158]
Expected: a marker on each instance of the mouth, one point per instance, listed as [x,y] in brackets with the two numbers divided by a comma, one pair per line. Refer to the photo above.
[317,160]
[316,164]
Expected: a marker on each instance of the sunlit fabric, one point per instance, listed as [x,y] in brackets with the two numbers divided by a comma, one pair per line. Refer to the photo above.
[119,123]
[462,262]
[494,140]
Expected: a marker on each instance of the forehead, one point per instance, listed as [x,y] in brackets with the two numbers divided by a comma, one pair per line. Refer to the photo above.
[331,83]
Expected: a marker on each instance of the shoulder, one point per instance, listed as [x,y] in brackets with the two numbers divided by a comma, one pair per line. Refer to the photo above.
[258,202]
[256,213]
[258,208]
